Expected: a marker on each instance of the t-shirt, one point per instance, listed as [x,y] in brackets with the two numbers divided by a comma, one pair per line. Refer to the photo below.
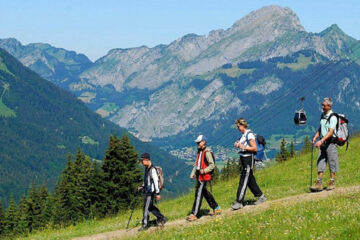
[243,140]
[325,125]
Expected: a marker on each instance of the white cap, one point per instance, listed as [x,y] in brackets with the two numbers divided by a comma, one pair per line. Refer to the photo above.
[200,138]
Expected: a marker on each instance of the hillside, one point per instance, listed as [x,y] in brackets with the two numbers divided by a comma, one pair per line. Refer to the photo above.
[40,123]
[291,211]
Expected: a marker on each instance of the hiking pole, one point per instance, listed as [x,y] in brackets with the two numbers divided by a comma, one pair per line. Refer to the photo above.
[311,168]
[132,211]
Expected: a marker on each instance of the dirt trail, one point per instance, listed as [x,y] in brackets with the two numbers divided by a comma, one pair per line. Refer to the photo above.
[306,197]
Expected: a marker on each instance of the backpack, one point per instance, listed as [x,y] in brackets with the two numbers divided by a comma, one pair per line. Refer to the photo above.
[342,130]
[207,163]
[260,146]
[161,178]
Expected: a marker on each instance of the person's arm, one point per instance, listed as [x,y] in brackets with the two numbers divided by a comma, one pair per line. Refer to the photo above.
[192,174]
[317,134]
[155,179]
[329,134]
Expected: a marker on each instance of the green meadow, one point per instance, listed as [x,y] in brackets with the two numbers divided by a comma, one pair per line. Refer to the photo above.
[333,217]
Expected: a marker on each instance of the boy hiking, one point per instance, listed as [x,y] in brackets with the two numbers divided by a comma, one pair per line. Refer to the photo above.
[152,191]
[204,165]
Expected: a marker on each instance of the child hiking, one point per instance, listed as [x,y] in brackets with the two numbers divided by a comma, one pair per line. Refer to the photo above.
[204,165]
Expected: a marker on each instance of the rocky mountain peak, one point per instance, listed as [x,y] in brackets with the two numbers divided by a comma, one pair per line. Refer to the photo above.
[273,15]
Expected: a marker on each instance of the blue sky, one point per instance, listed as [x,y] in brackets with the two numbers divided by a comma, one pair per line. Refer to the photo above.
[93,27]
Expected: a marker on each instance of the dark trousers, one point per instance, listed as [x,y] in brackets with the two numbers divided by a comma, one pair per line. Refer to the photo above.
[201,191]
[150,207]
[247,179]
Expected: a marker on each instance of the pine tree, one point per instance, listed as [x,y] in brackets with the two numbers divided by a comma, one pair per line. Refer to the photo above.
[10,220]
[97,192]
[82,169]
[45,215]
[34,207]
[307,145]
[121,173]
[23,216]
[292,150]
[283,155]
[225,172]
[65,202]
[2,219]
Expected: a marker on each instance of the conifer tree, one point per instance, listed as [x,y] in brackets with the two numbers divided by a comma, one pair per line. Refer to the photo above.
[292,150]
[65,201]
[82,166]
[46,213]
[34,207]
[97,192]
[2,218]
[307,145]
[10,219]
[24,219]
[121,173]
[283,155]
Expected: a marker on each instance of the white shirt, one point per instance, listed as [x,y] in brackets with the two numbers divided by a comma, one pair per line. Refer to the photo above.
[199,161]
[243,140]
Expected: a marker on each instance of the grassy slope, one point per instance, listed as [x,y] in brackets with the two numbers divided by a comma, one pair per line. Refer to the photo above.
[278,181]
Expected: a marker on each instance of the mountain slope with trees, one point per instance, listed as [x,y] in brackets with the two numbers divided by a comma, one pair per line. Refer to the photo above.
[47,123]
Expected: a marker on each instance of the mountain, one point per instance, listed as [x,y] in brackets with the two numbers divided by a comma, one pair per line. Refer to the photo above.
[54,64]
[200,84]
[177,85]
[41,123]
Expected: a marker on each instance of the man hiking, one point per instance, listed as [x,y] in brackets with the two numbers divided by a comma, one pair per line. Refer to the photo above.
[327,147]
[204,165]
[152,191]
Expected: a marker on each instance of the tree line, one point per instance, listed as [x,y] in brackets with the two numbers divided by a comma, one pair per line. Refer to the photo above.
[85,189]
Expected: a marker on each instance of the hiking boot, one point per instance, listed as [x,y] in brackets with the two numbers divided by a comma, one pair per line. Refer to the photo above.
[143,228]
[317,187]
[191,218]
[331,185]
[237,205]
[260,200]
[162,221]
[217,210]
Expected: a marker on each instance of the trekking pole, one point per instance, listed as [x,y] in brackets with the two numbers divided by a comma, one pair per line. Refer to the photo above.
[132,211]
[311,168]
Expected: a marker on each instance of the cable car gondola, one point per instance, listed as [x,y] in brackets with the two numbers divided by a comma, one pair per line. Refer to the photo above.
[300,115]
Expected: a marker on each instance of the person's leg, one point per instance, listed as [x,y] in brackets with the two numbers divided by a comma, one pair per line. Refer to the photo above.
[321,166]
[209,197]
[333,164]
[243,182]
[146,212]
[198,197]
[154,210]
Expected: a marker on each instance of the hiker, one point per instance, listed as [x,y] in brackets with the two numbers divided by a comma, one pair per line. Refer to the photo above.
[327,147]
[151,190]
[204,165]
[247,146]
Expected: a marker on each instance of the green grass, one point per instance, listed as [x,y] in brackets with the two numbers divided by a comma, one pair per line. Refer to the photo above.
[298,221]
[302,63]
[88,140]
[5,111]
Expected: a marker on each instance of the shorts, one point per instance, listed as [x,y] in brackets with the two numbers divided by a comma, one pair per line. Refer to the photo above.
[328,154]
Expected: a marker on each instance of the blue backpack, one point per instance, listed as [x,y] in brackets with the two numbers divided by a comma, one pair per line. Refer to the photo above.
[260,146]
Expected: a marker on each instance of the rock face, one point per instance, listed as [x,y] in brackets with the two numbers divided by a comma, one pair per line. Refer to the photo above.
[171,89]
